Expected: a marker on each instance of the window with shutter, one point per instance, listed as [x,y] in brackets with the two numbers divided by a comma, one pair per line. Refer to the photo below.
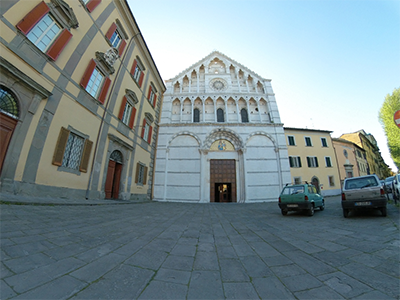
[91,4]
[141,174]
[72,151]
[137,72]
[312,162]
[152,96]
[323,142]
[95,82]
[291,140]
[295,161]
[46,29]
[116,38]
[328,162]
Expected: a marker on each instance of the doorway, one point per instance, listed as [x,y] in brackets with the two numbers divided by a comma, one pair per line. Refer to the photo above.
[315,182]
[223,180]
[113,179]
[7,126]
[223,192]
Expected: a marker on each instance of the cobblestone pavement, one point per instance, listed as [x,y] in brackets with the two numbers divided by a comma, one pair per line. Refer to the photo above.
[197,251]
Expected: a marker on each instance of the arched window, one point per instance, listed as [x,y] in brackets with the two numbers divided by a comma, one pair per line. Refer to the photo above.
[196,115]
[8,104]
[245,116]
[220,115]
[116,156]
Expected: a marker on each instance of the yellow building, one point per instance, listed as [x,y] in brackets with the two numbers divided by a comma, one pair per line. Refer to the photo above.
[352,161]
[366,141]
[80,97]
[312,159]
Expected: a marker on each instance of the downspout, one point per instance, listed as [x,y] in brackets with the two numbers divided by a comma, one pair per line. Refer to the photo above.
[103,117]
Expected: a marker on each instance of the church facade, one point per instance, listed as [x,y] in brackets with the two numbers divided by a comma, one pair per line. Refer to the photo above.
[220,136]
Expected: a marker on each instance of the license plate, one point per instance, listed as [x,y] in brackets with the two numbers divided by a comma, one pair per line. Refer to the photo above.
[362,203]
[292,205]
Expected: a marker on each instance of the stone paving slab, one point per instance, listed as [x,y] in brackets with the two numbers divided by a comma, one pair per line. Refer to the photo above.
[152,250]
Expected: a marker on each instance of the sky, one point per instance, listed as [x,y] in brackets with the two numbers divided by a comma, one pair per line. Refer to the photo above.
[331,62]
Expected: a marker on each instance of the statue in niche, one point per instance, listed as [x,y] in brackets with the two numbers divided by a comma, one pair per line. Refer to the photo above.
[111,56]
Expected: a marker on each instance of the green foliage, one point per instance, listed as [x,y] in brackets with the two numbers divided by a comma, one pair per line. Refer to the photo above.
[386,113]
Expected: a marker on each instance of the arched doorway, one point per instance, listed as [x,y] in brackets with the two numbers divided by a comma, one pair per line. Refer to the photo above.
[9,114]
[315,182]
[113,179]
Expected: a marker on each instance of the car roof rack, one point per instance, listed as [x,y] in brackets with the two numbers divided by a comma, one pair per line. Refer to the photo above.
[302,182]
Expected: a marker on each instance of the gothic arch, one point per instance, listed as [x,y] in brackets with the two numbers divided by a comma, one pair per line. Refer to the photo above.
[223,133]
[181,134]
[263,134]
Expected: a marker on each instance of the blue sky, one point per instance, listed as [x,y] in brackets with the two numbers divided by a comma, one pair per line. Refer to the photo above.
[331,62]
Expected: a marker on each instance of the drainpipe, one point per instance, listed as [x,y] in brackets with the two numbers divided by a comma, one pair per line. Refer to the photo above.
[102,119]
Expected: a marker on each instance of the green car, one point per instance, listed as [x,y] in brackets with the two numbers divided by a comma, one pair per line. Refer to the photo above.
[300,197]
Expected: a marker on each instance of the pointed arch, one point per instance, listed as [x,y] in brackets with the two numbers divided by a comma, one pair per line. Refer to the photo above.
[223,133]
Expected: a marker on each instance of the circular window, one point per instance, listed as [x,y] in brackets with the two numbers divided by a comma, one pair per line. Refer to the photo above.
[345,153]
[8,104]
[218,84]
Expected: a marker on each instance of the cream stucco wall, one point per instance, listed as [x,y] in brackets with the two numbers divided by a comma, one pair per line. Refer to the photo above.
[322,172]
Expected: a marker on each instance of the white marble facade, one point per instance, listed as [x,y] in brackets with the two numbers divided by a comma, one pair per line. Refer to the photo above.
[218,110]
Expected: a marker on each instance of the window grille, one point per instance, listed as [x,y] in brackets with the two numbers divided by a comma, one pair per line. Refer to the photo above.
[141,174]
[8,104]
[73,152]
[116,156]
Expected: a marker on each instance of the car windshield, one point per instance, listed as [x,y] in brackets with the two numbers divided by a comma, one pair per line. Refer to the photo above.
[359,183]
[291,190]
[389,179]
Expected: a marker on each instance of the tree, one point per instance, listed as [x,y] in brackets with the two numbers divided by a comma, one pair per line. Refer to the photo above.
[392,132]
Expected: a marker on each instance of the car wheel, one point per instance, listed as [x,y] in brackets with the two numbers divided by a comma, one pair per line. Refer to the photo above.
[384,211]
[284,212]
[311,211]
[345,212]
[322,207]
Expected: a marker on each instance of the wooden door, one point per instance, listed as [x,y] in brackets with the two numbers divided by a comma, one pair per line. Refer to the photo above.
[110,179]
[7,126]
[117,179]
[222,171]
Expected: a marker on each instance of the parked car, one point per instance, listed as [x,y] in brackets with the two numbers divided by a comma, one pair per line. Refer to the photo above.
[388,184]
[396,187]
[364,192]
[300,197]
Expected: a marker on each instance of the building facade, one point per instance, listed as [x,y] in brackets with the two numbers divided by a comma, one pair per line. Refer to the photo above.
[352,160]
[80,97]
[220,136]
[312,158]
[366,141]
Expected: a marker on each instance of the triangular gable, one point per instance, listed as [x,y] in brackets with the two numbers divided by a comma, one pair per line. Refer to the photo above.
[206,60]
